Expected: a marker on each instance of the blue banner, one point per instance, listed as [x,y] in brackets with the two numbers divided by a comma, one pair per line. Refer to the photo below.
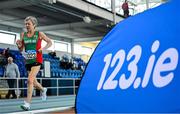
[135,68]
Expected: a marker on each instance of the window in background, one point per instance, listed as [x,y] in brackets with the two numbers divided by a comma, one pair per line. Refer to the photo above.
[86,50]
[17,36]
[77,49]
[58,46]
[7,38]
[61,46]
[51,48]
[82,50]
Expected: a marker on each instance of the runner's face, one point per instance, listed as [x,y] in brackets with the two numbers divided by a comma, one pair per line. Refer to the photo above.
[29,25]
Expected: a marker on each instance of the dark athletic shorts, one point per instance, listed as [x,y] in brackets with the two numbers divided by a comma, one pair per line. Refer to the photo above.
[29,66]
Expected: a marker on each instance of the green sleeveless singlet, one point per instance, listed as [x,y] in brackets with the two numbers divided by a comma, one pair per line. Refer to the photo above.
[30,47]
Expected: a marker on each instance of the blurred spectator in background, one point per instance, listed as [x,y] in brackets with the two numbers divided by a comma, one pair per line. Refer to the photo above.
[125,8]
[11,72]
[2,60]
[7,53]
[53,54]
[70,64]
[4,56]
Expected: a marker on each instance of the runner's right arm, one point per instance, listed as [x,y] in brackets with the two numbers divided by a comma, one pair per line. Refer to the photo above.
[20,43]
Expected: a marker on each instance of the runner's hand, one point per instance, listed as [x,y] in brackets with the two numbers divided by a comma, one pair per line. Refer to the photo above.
[40,50]
[19,43]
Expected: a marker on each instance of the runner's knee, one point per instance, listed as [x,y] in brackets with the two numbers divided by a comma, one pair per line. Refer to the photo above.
[30,80]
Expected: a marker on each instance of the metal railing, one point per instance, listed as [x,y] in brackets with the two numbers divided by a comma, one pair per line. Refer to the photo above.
[18,88]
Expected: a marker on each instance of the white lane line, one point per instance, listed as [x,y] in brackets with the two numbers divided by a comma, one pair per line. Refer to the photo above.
[42,110]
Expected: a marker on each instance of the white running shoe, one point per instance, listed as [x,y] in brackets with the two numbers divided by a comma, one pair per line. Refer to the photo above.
[43,94]
[26,106]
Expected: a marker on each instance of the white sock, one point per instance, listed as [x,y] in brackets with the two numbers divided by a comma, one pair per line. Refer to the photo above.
[27,104]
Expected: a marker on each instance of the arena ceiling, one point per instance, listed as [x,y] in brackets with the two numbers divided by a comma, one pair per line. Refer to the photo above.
[75,20]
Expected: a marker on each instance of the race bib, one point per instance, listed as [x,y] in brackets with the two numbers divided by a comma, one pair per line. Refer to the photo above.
[30,54]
